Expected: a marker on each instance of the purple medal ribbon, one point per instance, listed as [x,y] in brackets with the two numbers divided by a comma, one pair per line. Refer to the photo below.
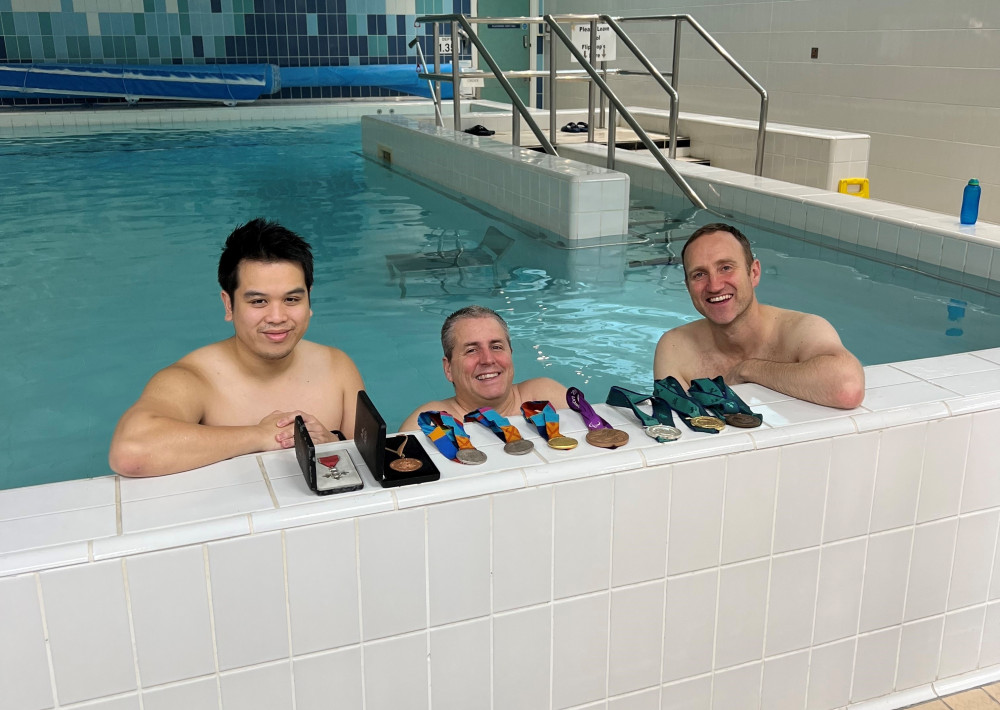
[576,402]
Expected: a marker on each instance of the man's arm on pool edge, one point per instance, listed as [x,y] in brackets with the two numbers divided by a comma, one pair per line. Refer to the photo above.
[160,433]
[824,372]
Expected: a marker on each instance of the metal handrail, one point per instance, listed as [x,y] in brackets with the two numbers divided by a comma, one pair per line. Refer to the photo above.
[435,95]
[620,107]
[721,51]
[520,110]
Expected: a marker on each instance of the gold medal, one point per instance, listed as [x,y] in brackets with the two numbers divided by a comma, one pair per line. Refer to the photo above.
[563,443]
[708,423]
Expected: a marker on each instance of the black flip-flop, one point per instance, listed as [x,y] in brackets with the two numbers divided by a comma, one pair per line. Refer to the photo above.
[569,128]
[478,130]
[581,127]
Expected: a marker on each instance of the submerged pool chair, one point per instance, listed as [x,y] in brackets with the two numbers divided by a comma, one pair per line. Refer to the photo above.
[470,265]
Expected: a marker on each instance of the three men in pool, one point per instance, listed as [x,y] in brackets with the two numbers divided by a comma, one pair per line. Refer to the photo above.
[241,395]
[477,361]
[798,354]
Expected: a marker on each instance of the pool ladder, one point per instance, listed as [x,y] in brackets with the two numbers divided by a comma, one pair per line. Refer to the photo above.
[597,80]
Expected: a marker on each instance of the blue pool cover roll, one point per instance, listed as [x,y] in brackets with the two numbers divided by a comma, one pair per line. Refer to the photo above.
[226,83]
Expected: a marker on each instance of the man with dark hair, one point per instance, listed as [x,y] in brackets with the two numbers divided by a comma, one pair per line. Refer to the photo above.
[477,361]
[799,354]
[241,395]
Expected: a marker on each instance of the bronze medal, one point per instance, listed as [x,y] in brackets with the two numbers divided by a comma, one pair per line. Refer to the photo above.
[519,447]
[470,457]
[406,465]
[563,443]
[607,438]
[708,423]
[743,421]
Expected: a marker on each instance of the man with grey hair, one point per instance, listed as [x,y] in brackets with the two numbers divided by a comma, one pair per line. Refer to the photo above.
[477,361]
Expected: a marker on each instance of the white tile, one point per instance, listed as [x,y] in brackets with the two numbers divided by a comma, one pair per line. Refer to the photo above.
[340,507]
[798,520]
[689,636]
[122,702]
[261,688]
[784,686]
[249,628]
[754,395]
[201,694]
[644,700]
[982,485]
[904,395]
[989,654]
[944,366]
[57,497]
[796,411]
[919,650]
[72,553]
[960,645]
[943,468]
[407,657]
[830,674]
[851,485]
[448,489]
[173,630]
[223,474]
[687,695]
[788,434]
[927,587]
[639,540]
[636,637]
[322,580]
[458,560]
[739,636]
[897,477]
[24,666]
[320,676]
[971,384]
[579,650]
[791,601]
[738,688]
[582,557]
[87,623]
[696,502]
[885,579]
[748,514]
[194,506]
[974,551]
[522,548]
[393,574]
[172,537]
[57,528]
[522,643]
[697,445]
[875,664]
[884,375]
[460,666]
[838,600]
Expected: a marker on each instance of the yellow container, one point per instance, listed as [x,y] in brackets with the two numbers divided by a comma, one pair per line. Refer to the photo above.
[861,185]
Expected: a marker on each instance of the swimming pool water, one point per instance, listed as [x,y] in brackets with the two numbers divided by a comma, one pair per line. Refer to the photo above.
[110,243]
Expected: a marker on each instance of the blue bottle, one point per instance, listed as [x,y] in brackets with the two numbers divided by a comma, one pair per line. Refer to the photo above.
[970,202]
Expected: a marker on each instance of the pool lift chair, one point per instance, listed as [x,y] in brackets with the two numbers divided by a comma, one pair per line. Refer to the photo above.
[439,265]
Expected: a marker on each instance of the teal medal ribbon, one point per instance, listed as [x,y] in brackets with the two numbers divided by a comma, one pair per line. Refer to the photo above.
[660,426]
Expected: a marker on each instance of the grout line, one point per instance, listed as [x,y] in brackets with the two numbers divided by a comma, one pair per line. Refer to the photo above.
[267,482]
[47,638]
[288,613]
[118,506]
[211,621]
[131,631]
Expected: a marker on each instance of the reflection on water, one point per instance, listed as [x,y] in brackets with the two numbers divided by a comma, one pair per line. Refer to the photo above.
[111,241]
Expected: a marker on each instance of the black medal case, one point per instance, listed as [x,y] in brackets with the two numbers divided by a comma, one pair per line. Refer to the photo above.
[369,436]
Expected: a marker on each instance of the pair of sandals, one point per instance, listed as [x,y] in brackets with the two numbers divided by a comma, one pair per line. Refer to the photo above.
[572,127]
[478,130]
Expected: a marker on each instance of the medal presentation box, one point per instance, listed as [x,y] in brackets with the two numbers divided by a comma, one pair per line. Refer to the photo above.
[398,461]
[334,474]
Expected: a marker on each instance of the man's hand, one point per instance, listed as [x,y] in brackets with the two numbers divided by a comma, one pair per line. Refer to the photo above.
[285,434]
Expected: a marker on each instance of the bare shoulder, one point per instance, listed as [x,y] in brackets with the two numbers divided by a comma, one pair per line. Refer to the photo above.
[332,357]
[543,388]
[410,423]
[180,390]
[803,335]
[676,349]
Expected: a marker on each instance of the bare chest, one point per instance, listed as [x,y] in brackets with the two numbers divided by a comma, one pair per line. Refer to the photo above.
[237,401]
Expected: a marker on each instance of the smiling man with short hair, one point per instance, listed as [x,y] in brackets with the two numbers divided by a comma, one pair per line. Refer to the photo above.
[795,353]
[241,395]
[477,361]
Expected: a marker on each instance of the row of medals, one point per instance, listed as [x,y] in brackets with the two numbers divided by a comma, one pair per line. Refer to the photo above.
[605,438]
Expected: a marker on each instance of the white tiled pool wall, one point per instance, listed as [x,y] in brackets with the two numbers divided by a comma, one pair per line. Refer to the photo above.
[931,242]
[567,198]
[814,566]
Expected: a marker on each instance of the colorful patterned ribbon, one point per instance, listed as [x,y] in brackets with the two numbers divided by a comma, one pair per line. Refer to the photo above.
[544,417]
[446,434]
[495,422]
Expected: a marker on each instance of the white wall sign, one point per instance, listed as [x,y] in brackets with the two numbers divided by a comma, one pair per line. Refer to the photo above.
[606,40]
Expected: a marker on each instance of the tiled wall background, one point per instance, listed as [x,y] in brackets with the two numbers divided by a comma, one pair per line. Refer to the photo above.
[919,76]
[288,33]
[810,575]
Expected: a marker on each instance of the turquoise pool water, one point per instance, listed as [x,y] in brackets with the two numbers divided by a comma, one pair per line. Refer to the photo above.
[110,243]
